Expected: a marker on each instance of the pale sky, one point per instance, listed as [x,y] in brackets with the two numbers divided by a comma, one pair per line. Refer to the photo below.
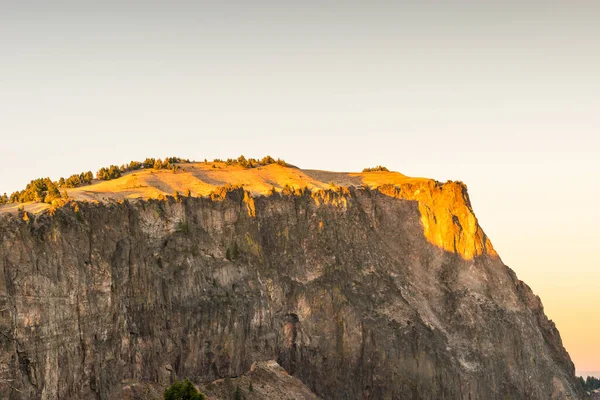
[503,95]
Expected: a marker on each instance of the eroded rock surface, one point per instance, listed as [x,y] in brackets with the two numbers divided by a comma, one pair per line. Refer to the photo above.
[361,294]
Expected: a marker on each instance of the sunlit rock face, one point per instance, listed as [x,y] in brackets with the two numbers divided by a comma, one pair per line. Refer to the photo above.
[386,293]
[446,215]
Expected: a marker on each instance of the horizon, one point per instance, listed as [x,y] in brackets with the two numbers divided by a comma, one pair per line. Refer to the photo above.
[503,97]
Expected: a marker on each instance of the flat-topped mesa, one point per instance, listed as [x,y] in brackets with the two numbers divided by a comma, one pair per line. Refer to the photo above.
[362,285]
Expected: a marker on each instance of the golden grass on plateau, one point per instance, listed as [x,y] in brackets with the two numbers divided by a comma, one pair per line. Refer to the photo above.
[202,178]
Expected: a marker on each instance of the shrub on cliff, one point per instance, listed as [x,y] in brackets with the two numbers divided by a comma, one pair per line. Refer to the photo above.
[237,395]
[183,390]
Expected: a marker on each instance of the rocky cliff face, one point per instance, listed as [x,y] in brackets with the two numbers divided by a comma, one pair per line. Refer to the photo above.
[391,293]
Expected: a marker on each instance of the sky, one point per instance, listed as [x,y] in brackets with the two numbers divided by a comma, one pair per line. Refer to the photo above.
[502,95]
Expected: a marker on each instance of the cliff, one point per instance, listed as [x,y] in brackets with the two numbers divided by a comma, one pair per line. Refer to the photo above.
[376,292]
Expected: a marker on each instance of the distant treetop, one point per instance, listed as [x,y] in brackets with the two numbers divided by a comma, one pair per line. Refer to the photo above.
[253,162]
[590,383]
[376,169]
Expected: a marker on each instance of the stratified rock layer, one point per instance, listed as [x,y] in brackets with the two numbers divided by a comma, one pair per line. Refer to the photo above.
[378,294]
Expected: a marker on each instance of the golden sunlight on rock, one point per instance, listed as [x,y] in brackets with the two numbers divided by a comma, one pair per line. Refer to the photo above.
[447,217]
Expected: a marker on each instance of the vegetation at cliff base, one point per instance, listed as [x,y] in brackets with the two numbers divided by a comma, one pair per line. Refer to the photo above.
[590,383]
[183,390]
[237,395]
[232,253]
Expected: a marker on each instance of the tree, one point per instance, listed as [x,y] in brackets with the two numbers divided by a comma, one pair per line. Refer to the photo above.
[175,160]
[158,164]
[184,390]
[14,197]
[109,173]
[237,395]
[76,180]
[102,174]
[235,251]
[72,181]
[266,160]
[114,172]
[134,165]
[590,383]
[149,163]
[288,190]
[52,193]
[88,177]
[36,190]
[242,161]
[378,168]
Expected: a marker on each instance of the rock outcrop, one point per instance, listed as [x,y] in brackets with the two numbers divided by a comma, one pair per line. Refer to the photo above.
[266,380]
[389,293]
